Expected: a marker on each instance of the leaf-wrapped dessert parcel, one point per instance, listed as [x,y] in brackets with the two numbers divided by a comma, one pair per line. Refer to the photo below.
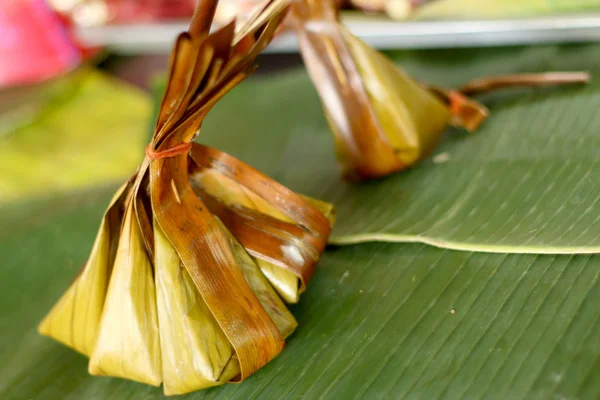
[383,120]
[185,281]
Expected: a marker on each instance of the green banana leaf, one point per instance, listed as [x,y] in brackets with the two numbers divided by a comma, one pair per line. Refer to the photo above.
[89,130]
[378,320]
[526,182]
[466,9]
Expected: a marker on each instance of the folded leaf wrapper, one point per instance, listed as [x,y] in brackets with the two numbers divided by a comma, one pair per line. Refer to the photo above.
[383,120]
[185,282]
[128,342]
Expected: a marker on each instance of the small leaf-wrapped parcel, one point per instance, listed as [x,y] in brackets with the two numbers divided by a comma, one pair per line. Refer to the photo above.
[185,282]
[383,120]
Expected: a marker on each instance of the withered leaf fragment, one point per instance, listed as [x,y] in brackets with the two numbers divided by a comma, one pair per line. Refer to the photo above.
[382,119]
[196,249]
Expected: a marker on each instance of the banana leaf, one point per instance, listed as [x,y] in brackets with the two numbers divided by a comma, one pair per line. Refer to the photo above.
[87,131]
[525,182]
[379,320]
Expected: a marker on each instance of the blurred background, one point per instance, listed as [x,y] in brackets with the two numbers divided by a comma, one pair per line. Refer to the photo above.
[76,76]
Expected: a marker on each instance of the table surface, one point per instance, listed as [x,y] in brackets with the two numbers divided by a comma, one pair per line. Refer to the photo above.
[379,32]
